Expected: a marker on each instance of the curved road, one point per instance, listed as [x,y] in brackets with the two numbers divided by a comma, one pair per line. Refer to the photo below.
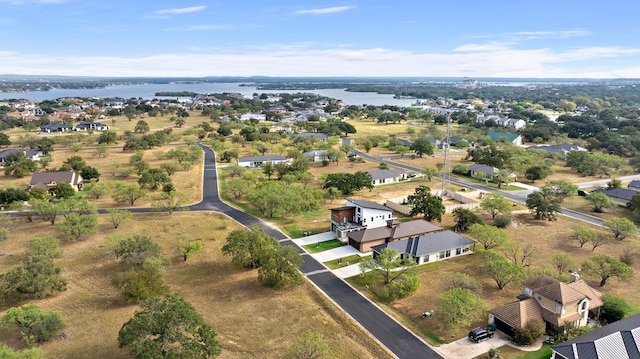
[396,338]
[514,196]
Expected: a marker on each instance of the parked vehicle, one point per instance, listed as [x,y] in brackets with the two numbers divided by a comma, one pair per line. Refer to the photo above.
[582,193]
[479,334]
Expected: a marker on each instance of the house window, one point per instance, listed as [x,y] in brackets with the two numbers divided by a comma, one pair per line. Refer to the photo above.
[528,291]
[558,308]
[389,215]
[458,251]
[425,259]
[371,219]
[584,305]
[441,255]
[447,253]
[539,299]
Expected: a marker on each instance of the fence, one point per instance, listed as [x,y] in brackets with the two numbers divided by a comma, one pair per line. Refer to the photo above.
[398,204]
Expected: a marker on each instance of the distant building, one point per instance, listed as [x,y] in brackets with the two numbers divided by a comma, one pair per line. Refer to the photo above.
[49,180]
[509,137]
[55,127]
[33,155]
[259,161]
[380,177]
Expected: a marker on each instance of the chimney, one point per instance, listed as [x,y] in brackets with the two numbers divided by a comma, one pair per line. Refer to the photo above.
[392,223]
[573,276]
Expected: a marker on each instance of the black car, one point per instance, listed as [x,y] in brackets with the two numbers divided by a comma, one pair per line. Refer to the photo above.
[479,334]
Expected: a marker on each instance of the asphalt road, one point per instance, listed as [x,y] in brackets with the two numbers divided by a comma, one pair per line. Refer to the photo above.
[400,341]
[515,196]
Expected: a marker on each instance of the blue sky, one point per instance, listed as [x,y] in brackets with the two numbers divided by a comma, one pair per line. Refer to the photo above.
[489,38]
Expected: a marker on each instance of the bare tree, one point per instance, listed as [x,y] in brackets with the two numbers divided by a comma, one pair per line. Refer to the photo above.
[519,255]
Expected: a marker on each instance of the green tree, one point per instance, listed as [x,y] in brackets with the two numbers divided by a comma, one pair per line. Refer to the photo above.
[48,211]
[423,202]
[620,227]
[604,267]
[268,169]
[536,173]
[248,246]
[76,226]
[128,194]
[348,183]
[108,137]
[63,190]
[544,203]
[494,204]
[35,325]
[561,189]
[600,201]
[38,277]
[503,177]
[142,126]
[90,173]
[137,252]
[488,236]
[118,216]
[613,309]
[153,178]
[97,190]
[75,163]
[459,307]
[421,146]
[501,270]
[140,284]
[309,345]
[188,249]
[31,353]
[170,201]
[169,168]
[19,168]
[4,140]
[168,328]
[465,218]
[279,267]
[45,246]
[584,236]
[390,265]
[563,262]
[180,122]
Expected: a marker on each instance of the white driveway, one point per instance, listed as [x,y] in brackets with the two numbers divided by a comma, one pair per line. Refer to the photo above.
[331,254]
[466,349]
[320,237]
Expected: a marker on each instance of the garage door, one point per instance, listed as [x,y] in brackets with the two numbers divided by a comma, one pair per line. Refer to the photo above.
[504,327]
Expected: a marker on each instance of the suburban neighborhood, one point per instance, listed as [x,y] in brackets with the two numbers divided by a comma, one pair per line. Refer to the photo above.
[451,215]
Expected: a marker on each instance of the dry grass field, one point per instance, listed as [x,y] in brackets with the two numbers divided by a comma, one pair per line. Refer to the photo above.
[251,321]
[547,238]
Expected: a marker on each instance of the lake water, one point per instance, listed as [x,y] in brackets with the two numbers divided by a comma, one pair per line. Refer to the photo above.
[148,91]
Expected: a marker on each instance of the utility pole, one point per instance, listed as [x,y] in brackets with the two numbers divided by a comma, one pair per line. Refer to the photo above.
[445,168]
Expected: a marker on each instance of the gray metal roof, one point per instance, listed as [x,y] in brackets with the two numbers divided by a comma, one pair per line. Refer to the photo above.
[368,204]
[427,243]
[476,167]
[616,340]
[261,158]
[380,174]
[621,193]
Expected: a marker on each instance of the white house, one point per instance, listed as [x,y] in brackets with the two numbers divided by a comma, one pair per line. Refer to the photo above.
[84,126]
[380,177]
[357,215]
[430,247]
[316,156]
[257,116]
[33,155]
[258,161]
[503,121]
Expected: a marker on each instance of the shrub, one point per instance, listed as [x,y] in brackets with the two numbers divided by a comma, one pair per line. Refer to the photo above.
[502,220]
[532,331]
[401,288]
[614,308]
[325,163]
[460,169]
[35,325]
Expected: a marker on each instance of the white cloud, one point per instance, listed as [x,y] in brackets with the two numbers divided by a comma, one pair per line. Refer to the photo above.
[480,47]
[180,11]
[307,59]
[323,11]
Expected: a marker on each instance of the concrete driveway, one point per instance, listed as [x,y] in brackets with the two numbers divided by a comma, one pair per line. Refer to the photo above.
[466,349]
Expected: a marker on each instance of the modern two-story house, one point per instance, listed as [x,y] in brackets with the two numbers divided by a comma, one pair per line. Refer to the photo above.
[358,215]
[560,305]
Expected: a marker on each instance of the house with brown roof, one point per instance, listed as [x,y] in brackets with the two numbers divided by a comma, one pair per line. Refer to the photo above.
[560,305]
[364,239]
[49,180]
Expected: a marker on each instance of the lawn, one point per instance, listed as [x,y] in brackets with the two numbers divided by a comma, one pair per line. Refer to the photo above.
[546,237]
[509,352]
[324,246]
[252,321]
[342,262]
